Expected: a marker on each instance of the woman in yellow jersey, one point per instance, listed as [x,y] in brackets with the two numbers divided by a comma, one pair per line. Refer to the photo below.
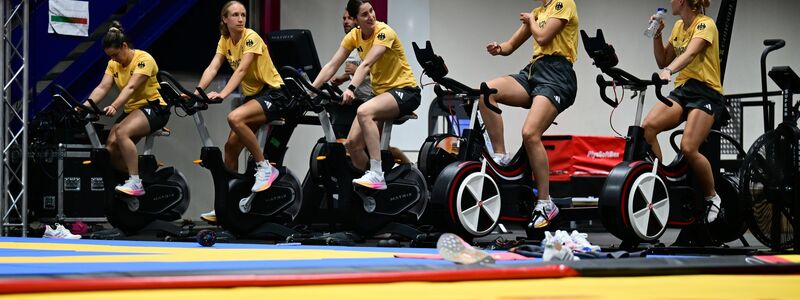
[144,111]
[547,86]
[384,59]
[692,51]
[248,56]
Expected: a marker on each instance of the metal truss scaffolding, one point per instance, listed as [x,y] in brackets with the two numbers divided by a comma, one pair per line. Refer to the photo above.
[14,114]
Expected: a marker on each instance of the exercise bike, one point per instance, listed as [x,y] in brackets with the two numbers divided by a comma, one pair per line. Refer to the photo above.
[641,197]
[471,193]
[361,209]
[240,211]
[770,174]
[166,195]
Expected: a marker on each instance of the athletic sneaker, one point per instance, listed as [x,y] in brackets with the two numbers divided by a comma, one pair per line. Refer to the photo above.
[373,180]
[265,176]
[713,211]
[453,248]
[555,250]
[502,158]
[543,213]
[59,233]
[131,188]
[583,244]
[210,217]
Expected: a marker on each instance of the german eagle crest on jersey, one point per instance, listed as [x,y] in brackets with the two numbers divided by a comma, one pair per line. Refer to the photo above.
[381,36]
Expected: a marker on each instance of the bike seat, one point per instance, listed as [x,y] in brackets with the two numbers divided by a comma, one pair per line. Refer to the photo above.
[403,119]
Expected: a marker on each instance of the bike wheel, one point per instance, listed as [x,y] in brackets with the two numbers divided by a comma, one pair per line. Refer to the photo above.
[769,185]
[468,198]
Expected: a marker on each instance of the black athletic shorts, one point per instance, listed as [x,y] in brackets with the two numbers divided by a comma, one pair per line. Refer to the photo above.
[408,99]
[273,102]
[157,116]
[550,76]
[697,95]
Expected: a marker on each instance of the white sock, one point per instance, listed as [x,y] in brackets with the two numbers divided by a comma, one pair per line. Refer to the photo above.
[546,200]
[135,178]
[708,198]
[375,166]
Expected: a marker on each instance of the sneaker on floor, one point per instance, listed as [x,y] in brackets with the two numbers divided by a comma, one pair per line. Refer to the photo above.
[453,248]
[543,213]
[210,217]
[60,232]
[131,188]
[583,244]
[555,250]
[373,180]
[265,176]
[713,210]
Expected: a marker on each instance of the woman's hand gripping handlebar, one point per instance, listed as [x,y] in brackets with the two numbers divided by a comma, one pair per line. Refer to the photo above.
[90,113]
[658,83]
[177,95]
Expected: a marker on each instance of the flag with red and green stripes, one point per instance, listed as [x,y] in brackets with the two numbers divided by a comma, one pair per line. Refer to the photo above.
[69,17]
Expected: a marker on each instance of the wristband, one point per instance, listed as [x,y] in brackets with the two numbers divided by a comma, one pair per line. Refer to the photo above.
[352,88]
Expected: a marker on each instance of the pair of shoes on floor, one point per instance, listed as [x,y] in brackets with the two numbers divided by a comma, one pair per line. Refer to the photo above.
[575,241]
[544,212]
[60,232]
[452,248]
[555,248]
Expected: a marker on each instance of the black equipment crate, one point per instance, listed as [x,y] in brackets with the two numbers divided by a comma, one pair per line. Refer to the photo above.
[63,189]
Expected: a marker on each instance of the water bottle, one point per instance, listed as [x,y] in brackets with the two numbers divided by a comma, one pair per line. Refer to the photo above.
[651,29]
[303,74]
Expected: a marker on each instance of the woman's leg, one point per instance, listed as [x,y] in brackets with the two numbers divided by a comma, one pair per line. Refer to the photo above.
[134,127]
[242,120]
[113,150]
[381,108]
[356,148]
[509,92]
[540,116]
[127,134]
[369,116]
[698,125]
[659,119]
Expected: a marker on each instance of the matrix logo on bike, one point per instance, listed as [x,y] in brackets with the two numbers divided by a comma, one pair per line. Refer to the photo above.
[401,196]
[602,154]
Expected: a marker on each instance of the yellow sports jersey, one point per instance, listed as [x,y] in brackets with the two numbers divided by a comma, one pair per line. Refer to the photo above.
[261,72]
[391,70]
[705,66]
[142,63]
[565,43]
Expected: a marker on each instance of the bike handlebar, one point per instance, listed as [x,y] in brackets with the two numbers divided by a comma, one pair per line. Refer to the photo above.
[92,109]
[620,77]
